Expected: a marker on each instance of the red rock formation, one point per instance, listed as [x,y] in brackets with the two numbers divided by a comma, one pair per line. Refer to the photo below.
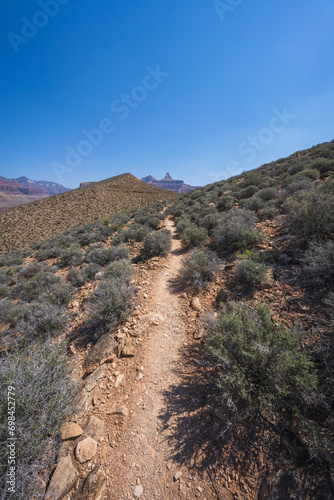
[168,183]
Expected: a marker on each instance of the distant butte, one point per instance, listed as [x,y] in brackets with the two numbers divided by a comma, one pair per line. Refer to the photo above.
[168,183]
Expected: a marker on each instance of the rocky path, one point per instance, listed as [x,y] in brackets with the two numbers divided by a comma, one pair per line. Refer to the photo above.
[157,450]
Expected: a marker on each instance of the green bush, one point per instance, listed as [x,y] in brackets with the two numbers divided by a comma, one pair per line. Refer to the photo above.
[111,302]
[136,232]
[42,320]
[250,273]
[254,203]
[183,223]
[247,192]
[148,220]
[13,258]
[267,194]
[31,289]
[76,277]
[262,366]
[103,256]
[71,257]
[319,260]
[225,203]
[156,244]
[3,291]
[310,214]
[43,393]
[193,236]
[236,231]
[199,269]
[209,222]
[60,294]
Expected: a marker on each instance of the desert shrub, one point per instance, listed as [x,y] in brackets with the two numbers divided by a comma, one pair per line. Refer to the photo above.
[42,320]
[262,365]
[76,277]
[49,252]
[11,313]
[267,193]
[250,273]
[183,223]
[199,269]
[193,236]
[89,271]
[268,212]
[319,260]
[209,221]
[102,256]
[236,231]
[3,276]
[13,258]
[295,187]
[147,220]
[3,291]
[324,165]
[32,269]
[119,270]
[311,173]
[31,289]
[156,244]
[111,302]
[60,294]
[43,391]
[136,232]
[310,214]
[247,192]
[72,256]
[119,220]
[254,203]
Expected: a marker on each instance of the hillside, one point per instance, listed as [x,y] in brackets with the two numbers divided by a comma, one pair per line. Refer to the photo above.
[27,224]
[22,190]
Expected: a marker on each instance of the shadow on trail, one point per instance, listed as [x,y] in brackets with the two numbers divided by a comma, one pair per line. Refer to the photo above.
[187,414]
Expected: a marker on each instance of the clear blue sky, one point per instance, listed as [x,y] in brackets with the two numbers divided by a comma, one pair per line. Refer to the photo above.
[201,89]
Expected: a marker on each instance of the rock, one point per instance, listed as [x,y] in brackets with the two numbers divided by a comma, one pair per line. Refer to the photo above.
[119,380]
[155,319]
[66,448]
[117,409]
[183,295]
[99,275]
[94,485]
[139,490]
[198,334]
[63,479]
[70,430]
[94,428]
[92,380]
[126,348]
[86,450]
[39,486]
[177,475]
[195,304]
[101,353]
[222,296]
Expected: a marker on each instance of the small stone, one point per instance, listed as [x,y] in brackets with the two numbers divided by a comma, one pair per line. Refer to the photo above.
[195,304]
[118,409]
[70,430]
[177,475]
[119,380]
[140,376]
[94,428]
[86,450]
[139,490]
[145,295]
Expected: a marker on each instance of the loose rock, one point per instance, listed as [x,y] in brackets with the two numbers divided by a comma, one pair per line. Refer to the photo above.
[70,430]
[63,479]
[86,450]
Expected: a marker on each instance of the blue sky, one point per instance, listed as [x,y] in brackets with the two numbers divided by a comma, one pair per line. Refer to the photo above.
[201,89]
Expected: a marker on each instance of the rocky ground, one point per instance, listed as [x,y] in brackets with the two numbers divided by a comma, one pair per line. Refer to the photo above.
[148,422]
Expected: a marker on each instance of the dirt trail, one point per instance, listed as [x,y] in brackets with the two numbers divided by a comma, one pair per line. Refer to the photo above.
[158,439]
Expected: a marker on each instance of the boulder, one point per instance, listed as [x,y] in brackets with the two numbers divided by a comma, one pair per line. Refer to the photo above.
[63,479]
[86,450]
